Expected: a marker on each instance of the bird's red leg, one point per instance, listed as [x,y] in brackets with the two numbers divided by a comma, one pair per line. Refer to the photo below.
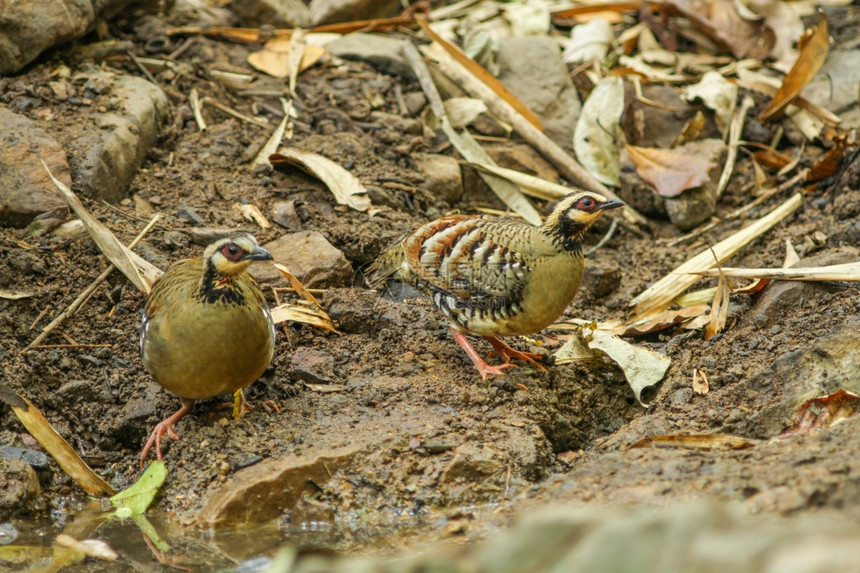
[484,368]
[165,427]
[506,352]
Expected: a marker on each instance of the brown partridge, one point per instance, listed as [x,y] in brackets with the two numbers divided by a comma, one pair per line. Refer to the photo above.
[206,328]
[494,276]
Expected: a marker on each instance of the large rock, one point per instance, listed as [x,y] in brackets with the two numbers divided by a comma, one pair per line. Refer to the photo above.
[532,69]
[263,491]
[311,259]
[29,28]
[114,144]
[277,13]
[26,189]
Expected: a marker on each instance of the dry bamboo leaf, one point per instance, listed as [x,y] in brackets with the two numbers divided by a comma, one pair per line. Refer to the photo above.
[345,187]
[809,62]
[530,184]
[306,313]
[295,57]
[697,442]
[849,272]
[480,73]
[791,256]
[669,172]
[660,321]
[297,284]
[55,445]
[9,294]
[274,141]
[252,213]
[719,309]
[130,264]
[660,295]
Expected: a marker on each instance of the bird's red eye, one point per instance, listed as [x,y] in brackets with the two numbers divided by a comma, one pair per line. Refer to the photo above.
[232,251]
[586,204]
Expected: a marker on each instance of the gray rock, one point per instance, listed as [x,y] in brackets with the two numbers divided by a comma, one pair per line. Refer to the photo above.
[381,52]
[26,190]
[278,13]
[284,214]
[312,366]
[532,69]
[106,156]
[310,257]
[442,175]
[781,296]
[29,28]
[600,279]
[333,11]
[473,462]
[21,491]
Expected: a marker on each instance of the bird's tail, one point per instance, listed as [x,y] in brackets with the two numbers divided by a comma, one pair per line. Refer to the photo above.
[387,265]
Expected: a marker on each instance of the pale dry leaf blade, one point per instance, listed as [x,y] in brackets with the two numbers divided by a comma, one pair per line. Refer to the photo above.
[847,272]
[296,284]
[116,252]
[58,448]
[304,313]
[345,187]
[719,309]
[596,134]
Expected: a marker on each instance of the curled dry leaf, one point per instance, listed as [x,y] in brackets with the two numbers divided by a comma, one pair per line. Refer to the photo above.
[304,312]
[809,62]
[589,42]
[669,172]
[252,213]
[95,548]
[660,321]
[719,95]
[719,309]
[273,59]
[700,382]
[347,190]
[697,442]
[823,412]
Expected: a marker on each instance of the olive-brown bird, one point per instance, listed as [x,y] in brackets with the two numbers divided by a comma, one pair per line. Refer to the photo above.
[495,276]
[206,328]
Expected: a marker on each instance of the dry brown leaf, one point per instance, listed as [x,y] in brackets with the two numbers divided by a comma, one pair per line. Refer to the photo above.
[345,187]
[697,442]
[55,445]
[481,74]
[722,23]
[701,386]
[719,309]
[669,172]
[273,58]
[9,294]
[828,164]
[823,412]
[809,62]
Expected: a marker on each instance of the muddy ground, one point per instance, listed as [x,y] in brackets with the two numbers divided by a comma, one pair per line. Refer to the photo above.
[423,446]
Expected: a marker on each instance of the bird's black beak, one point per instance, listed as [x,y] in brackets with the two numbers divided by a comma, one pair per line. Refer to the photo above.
[613,204]
[258,254]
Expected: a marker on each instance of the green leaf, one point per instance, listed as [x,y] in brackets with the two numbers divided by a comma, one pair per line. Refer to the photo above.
[138,497]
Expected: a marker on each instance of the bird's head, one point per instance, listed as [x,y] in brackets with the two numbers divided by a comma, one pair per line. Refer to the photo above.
[232,254]
[574,214]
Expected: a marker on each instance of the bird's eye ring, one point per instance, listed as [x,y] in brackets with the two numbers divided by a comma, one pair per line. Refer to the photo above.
[586,204]
[233,252]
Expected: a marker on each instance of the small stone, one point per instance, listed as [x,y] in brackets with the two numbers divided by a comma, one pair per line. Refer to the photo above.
[695,206]
[312,366]
[415,102]
[285,215]
[311,259]
[190,215]
[442,175]
[334,11]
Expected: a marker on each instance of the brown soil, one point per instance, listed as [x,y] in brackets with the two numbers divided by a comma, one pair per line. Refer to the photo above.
[438,445]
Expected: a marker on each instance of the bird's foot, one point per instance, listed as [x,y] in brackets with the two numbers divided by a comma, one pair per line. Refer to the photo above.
[506,352]
[483,368]
[164,427]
